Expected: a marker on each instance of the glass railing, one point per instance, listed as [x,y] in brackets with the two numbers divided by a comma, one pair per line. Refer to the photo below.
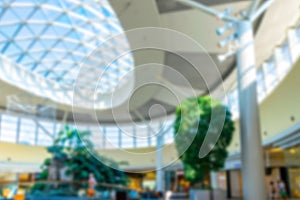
[32,130]
[56,190]
[272,71]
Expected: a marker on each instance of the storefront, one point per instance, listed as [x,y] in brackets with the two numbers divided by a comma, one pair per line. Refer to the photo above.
[280,164]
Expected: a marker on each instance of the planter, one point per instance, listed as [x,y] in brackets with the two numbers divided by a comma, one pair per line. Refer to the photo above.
[207,194]
[199,194]
[219,194]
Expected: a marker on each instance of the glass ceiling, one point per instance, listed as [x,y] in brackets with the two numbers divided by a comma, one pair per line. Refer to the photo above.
[51,39]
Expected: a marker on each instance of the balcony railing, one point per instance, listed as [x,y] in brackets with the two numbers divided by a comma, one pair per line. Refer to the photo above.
[273,70]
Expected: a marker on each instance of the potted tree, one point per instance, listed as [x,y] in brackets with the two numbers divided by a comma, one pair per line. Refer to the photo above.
[203,130]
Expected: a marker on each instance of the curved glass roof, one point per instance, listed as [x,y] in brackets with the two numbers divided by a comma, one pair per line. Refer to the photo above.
[51,39]
[19,128]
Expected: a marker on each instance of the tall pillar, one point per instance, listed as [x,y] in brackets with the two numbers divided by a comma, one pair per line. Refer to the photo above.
[168,180]
[159,163]
[214,180]
[251,146]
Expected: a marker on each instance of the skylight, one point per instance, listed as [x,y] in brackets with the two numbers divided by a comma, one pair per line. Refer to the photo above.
[51,39]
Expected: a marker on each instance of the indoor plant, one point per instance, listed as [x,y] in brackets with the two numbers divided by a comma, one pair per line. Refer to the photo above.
[191,127]
[73,158]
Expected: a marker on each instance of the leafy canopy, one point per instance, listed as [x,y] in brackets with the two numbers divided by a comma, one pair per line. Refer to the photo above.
[193,118]
[74,150]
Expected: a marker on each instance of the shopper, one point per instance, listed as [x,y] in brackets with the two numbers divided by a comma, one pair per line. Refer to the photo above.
[282,190]
[92,184]
[272,191]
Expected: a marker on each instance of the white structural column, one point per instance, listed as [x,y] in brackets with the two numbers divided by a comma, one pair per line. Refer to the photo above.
[251,151]
[251,146]
[159,162]
[214,180]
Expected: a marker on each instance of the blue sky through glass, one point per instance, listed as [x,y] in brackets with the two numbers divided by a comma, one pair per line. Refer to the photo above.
[50,38]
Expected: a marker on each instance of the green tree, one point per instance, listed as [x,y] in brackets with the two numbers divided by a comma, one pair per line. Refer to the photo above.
[193,119]
[74,150]
[83,159]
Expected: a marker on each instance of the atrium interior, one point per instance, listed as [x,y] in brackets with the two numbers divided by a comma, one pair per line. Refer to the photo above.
[149,99]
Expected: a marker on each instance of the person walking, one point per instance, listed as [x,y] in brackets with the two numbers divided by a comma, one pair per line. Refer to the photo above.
[92,184]
[282,190]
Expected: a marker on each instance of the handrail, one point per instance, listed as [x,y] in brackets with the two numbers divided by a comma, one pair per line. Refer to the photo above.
[265,88]
[29,183]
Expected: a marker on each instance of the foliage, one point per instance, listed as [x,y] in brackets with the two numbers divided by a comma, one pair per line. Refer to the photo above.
[73,150]
[193,118]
